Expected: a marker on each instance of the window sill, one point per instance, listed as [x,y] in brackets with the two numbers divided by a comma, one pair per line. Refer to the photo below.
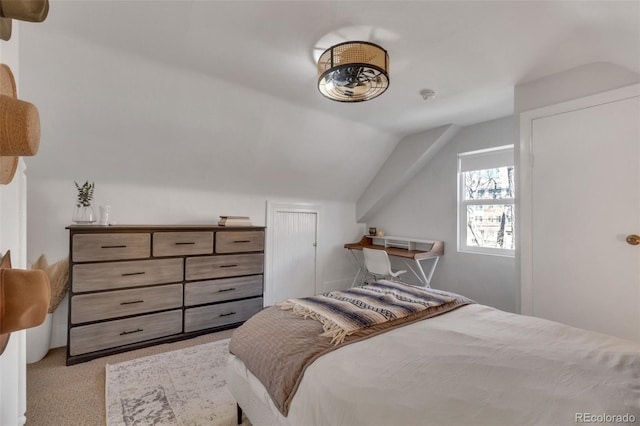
[505,253]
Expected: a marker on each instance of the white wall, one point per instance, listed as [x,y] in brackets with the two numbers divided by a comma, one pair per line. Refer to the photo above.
[407,159]
[51,204]
[574,83]
[427,208]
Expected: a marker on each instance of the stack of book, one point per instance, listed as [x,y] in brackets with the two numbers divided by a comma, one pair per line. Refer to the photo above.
[234,221]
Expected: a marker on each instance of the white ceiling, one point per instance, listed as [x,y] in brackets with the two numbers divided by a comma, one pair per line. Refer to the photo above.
[221,95]
[471,53]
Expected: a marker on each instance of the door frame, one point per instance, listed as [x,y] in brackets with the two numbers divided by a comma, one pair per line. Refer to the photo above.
[524,185]
[289,207]
[13,362]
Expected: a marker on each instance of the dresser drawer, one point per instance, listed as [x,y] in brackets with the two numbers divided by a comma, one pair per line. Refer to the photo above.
[114,275]
[94,337]
[182,243]
[202,268]
[122,303]
[239,241]
[95,247]
[221,314]
[201,292]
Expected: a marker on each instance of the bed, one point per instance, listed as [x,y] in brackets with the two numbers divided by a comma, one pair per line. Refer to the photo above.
[463,364]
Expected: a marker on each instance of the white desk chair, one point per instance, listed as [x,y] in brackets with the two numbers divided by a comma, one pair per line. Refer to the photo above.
[378,264]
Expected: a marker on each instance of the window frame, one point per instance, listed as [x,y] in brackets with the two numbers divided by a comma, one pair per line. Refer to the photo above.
[462,205]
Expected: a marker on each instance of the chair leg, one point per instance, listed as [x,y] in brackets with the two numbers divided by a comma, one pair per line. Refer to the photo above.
[239,413]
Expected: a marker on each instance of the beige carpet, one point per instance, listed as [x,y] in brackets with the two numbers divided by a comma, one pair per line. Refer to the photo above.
[58,395]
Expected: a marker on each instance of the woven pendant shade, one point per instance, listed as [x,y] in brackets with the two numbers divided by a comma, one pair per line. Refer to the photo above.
[354,71]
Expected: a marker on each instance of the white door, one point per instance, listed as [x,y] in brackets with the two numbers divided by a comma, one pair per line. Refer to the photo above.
[292,232]
[585,184]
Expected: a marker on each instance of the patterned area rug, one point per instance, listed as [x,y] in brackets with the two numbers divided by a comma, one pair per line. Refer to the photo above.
[183,387]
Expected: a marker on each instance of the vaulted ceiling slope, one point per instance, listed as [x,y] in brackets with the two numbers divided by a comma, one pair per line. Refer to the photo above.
[222,93]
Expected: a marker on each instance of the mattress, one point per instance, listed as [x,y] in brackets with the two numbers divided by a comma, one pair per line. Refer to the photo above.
[252,396]
[472,366]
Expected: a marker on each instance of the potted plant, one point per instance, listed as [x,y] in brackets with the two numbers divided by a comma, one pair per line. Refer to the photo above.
[84,213]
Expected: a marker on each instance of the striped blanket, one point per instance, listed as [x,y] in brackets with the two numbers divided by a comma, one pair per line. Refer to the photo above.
[342,313]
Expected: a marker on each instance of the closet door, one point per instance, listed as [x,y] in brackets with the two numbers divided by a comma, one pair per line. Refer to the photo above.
[292,236]
[585,201]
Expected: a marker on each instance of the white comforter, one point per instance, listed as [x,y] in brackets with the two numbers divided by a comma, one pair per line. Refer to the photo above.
[473,366]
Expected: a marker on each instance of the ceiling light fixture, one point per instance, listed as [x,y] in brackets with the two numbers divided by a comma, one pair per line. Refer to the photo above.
[353,71]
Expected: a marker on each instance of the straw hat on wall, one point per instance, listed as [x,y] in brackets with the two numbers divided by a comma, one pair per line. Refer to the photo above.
[23,10]
[19,126]
[5,28]
[24,299]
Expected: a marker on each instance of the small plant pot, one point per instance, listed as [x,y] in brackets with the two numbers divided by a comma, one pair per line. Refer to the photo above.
[84,215]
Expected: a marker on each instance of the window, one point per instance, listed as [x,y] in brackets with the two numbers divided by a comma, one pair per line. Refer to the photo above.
[485,201]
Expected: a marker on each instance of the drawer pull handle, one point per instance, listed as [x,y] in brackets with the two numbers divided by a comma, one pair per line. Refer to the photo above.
[128,274]
[185,243]
[132,302]
[242,241]
[226,315]
[226,289]
[228,266]
[120,246]
[137,330]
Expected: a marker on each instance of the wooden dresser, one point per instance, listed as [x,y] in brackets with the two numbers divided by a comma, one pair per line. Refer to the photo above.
[135,286]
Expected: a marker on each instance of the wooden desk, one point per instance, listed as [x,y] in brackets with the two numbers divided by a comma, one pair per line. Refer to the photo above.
[409,250]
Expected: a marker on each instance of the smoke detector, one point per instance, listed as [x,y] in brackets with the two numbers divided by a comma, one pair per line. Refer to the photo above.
[427,94]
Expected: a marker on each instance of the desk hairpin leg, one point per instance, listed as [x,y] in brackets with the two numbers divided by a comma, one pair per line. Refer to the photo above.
[415,273]
[360,268]
[424,279]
